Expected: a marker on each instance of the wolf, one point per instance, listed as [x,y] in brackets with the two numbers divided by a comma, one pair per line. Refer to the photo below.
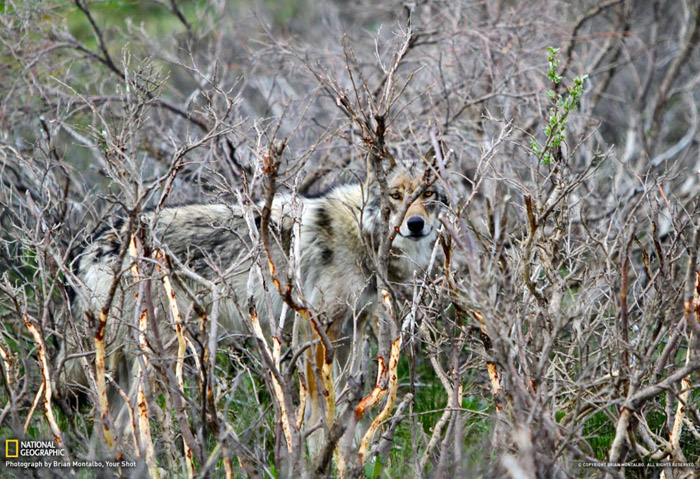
[338,232]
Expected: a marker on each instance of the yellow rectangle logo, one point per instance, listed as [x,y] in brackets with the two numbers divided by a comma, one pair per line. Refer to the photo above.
[7,447]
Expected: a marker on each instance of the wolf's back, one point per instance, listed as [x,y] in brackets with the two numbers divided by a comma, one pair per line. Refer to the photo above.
[210,240]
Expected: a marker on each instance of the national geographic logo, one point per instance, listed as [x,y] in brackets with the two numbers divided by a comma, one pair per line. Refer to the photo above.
[11,448]
[14,448]
[46,455]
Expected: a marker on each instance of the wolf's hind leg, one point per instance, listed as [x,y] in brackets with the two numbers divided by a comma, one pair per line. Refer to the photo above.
[314,391]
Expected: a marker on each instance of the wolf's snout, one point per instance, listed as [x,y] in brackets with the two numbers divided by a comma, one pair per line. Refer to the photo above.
[415,224]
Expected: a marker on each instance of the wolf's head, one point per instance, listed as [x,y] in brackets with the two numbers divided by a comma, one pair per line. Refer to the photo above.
[410,184]
[416,190]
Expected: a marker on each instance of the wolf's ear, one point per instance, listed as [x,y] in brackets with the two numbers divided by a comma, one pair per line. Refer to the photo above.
[430,156]
[388,163]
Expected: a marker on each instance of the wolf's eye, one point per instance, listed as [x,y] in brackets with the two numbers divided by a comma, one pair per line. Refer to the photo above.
[396,196]
[428,194]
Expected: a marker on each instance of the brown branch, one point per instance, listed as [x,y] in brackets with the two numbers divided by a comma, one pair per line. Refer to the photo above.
[577,26]
[107,60]
[46,381]
[671,75]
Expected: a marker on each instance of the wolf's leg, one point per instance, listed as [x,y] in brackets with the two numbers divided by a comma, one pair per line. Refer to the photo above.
[355,360]
[314,408]
[321,387]
[122,394]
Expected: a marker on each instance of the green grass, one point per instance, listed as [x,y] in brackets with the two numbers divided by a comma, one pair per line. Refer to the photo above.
[155,19]
[430,401]
[599,431]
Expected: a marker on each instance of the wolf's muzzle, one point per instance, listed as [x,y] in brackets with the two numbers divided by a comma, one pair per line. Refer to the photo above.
[416,228]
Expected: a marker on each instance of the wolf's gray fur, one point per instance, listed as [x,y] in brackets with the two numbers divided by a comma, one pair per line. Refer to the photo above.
[339,232]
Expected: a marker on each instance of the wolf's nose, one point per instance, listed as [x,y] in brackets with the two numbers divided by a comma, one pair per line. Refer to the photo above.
[415,224]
